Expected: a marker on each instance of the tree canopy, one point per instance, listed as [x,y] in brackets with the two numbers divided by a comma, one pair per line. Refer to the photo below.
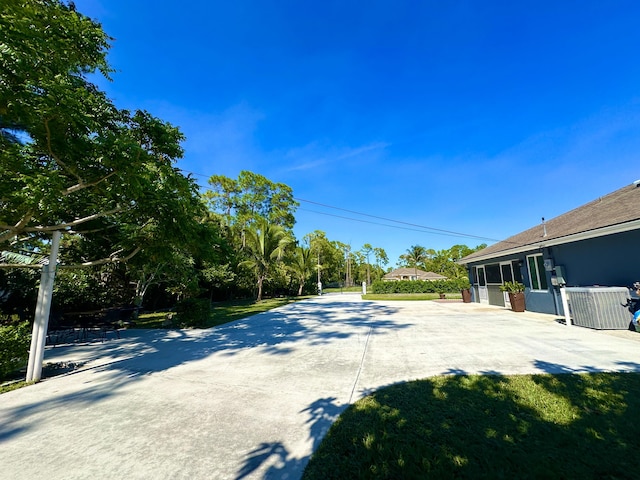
[70,160]
[252,196]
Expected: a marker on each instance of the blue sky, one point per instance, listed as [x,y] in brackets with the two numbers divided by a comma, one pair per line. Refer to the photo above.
[476,117]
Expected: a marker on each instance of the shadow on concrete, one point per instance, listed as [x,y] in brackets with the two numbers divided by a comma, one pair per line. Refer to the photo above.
[144,352]
[275,332]
[322,414]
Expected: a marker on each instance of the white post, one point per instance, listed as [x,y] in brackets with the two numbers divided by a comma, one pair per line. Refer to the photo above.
[565,306]
[364,288]
[41,321]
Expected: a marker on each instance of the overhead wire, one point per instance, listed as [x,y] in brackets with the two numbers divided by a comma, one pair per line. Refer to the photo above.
[414,227]
[373,223]
[422,227]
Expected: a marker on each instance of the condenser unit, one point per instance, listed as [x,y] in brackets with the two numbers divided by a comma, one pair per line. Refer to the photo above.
[602,308]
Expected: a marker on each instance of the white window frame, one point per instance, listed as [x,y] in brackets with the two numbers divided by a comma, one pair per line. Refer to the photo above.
[540,275]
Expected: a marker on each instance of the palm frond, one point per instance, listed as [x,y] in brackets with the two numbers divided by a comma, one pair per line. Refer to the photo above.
[21,258]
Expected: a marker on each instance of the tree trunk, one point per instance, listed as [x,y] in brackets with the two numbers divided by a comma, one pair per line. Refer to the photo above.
[300,288]
[259,289]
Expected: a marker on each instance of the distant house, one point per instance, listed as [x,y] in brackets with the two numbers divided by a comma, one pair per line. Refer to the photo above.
[411,274]
[595,244]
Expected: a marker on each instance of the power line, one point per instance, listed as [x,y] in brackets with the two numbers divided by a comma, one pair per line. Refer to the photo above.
[417,227]
[373,223]
[422,227]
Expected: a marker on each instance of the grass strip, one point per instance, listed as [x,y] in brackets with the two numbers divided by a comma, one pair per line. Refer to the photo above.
[486,427]
[221,312]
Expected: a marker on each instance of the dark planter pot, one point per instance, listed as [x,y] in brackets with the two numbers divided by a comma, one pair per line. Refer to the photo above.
[466,295]
[443,296]
[517,301]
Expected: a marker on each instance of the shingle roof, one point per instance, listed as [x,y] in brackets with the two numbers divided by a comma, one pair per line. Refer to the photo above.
[602,216]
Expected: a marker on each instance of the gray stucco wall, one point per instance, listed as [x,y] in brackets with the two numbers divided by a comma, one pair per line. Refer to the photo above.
[542,302]
[611,260]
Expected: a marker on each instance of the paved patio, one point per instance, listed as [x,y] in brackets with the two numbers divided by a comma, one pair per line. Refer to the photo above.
[252,399]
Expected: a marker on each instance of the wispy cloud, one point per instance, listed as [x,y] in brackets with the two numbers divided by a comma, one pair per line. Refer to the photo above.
[315,155]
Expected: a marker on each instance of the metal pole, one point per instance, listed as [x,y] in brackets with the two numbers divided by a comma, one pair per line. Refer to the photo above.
[35,333]
[43,308]
[565,306]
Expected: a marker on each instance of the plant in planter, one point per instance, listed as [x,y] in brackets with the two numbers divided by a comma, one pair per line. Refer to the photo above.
[516,295]
[465,289]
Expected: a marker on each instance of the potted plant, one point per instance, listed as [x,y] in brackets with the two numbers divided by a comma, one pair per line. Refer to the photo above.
[465,289]
[516,295]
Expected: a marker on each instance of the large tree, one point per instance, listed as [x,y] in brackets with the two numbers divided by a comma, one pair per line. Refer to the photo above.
[243,201]
[70,160]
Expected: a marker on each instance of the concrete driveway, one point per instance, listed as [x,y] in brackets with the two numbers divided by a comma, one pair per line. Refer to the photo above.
[252,399]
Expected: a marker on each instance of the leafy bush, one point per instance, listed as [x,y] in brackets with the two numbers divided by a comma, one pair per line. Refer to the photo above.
[18,292]
[14,347]
[420,286]
[192,312]
[512,287]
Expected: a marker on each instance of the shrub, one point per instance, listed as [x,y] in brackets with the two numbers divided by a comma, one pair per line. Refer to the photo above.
[192,312]
[512,287]
[14,347]
[419,286]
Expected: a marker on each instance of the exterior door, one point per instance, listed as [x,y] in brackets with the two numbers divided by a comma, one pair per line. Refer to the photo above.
[483,291]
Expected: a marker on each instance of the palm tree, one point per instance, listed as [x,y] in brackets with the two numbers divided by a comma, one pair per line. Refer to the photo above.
[381,257]
[416,254]
[265,244]
[366,250]
[302,266]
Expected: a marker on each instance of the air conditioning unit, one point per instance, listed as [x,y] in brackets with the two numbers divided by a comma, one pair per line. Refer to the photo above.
[602,308]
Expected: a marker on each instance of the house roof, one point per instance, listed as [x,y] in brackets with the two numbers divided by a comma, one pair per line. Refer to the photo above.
[616,212]
[411,272]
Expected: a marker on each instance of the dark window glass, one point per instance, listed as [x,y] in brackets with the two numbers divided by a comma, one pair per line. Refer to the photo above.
[507,276]
[481,280]
[537,273]
[493,273]
[533,273]
[517,275]
[542,273]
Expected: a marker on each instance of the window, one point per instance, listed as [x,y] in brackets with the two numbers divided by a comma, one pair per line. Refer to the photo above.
[517,275]
[481,278]
[537,275]
[493,273]
[507,272]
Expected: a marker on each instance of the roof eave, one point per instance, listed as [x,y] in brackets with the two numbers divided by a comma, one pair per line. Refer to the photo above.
[599,232]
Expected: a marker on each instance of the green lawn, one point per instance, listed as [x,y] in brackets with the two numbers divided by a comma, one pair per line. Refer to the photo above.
[222,312]
[487,427]
[410,296]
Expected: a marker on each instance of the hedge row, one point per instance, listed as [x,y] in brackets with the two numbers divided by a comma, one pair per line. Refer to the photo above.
[420,286]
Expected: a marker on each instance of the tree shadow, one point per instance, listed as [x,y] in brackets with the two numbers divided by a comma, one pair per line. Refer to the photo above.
[489,426]
[279,462]
[118,363]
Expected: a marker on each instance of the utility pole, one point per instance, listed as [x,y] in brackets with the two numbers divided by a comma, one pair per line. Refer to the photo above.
[43,308]
[348,279]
